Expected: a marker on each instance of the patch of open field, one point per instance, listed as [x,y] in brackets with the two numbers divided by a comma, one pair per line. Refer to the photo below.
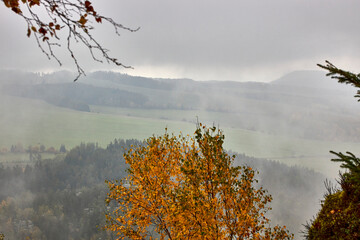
[33,122]
[312,154]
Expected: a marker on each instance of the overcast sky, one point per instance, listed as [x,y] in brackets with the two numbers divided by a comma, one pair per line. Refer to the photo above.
[253,40]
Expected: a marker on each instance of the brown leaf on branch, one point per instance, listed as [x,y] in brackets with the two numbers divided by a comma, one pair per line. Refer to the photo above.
[71,17]
[82,21]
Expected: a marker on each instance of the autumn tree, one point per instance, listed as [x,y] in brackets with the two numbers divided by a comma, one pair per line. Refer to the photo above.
[187,188]
[339,215]
[73,17]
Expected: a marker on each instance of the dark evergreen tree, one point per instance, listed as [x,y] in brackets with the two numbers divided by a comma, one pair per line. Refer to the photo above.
[62,148]
[342,76]
[339,217]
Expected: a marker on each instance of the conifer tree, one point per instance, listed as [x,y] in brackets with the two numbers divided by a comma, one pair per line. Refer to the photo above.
[339,217]
[342,76]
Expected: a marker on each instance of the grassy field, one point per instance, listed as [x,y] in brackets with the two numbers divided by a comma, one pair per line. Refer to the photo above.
[33,122]
[293,151]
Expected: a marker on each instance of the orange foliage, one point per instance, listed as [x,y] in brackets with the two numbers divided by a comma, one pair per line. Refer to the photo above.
[187,188]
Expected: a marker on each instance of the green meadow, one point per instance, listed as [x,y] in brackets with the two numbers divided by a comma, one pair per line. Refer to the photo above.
[308,153]
[34,122]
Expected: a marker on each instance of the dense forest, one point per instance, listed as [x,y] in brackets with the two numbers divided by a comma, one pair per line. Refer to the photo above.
[64,198]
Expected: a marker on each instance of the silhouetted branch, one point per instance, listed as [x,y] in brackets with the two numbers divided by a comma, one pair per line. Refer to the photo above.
[342,76]
[73,15]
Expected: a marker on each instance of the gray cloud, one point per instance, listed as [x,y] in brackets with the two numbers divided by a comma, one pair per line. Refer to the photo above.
[208,39]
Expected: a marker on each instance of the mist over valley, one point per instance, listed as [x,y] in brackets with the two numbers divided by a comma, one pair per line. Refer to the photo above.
[296,119]
[185,119]
[284,129]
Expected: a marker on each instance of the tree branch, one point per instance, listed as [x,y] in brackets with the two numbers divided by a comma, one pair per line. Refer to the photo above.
[73,15]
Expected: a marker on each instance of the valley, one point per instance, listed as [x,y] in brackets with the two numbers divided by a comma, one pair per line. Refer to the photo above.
[264,124]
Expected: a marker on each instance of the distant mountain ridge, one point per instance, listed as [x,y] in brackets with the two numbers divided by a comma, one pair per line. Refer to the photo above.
[310,79]
[304,78]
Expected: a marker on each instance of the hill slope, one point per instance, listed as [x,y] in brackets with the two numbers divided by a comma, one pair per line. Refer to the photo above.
[295,125]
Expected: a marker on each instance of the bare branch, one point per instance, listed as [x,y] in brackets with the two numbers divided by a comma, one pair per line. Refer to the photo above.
[73,15]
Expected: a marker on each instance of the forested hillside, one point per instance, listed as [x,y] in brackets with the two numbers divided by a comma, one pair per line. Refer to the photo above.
[63,198]
[301,104]
[77,96]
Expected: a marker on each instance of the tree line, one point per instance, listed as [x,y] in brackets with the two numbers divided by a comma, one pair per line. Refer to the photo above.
[63,198]
[37,149]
